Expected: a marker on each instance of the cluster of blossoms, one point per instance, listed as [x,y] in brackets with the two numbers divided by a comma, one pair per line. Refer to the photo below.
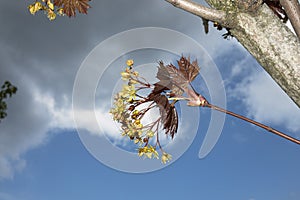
[128,112]
[174,85]
[48,7]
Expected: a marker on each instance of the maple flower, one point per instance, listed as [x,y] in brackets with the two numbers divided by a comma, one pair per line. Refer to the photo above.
[165,158]
[51,15]
[50,5]
[125,75]
[174,84]
[38,6]
[135,114]
[129,63]
[64,7]
[128,92]
[150,134]
[60,12]
[148,151]
[31,9]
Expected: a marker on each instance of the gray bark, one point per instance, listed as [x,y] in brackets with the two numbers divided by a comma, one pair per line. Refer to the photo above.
[292,9]
[271,43]
[274,46]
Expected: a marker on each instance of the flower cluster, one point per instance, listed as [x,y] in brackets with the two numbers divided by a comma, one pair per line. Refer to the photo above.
[128,112]
[48,7]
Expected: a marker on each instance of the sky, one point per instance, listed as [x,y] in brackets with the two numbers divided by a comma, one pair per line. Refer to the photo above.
[43,152]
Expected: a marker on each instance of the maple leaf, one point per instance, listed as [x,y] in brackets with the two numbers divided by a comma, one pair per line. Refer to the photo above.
[168,113]
[177,80]
[70,6]
[188,69]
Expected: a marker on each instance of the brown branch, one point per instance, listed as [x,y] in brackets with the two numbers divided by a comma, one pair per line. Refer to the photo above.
[274,131]
[199,10]
[292,9]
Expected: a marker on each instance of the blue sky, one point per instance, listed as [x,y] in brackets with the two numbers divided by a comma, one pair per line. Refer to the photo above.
[42,156]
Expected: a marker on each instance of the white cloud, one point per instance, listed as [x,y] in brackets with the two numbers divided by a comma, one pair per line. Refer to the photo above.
[42,59]
[266,102]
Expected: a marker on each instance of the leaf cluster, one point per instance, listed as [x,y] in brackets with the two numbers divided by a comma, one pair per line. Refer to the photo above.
[52,8]
[7,90]
[173,82]
[71,6]
[130,106]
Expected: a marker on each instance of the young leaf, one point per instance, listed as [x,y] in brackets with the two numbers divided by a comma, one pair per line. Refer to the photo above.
[70,6]
[168,113]
[177,80]
[188,69]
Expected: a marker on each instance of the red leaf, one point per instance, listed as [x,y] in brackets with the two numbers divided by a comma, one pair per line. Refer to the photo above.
[177,80]
[70,6]
[188,69]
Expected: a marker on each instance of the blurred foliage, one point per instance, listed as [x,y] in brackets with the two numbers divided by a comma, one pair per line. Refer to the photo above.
[52,8]
[7,90]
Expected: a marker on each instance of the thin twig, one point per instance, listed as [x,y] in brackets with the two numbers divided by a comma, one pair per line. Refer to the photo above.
[276,132]
[199,10]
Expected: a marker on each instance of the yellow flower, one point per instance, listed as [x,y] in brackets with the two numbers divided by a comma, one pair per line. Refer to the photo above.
[31,9]
[51,15]
[129,63]
[132,81]
[38,6]
[125,76]
[50,5]
[165,158]
[137,122]
[135,73]
[138,126]
[153,151]
[148,151]
[150,133]
[149,154]
[137,141]
[60,12]
[142,151]
[128,92]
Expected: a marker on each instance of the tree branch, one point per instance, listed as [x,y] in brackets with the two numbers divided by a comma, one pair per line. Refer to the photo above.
[274,46]
[270,129]
[200,10]
[292,10]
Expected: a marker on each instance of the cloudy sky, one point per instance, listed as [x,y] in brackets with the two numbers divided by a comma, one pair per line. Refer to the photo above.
[42,155]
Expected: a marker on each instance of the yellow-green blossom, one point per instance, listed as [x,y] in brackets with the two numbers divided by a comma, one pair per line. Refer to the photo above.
[125,75]
[165,158]
[148,151]
[31,9]
[129,63]
[50,5]
[60,12]
[132,81]
[51,15]
[128,92]
[135,114]
[150,133]
[38,6]
[135,73]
